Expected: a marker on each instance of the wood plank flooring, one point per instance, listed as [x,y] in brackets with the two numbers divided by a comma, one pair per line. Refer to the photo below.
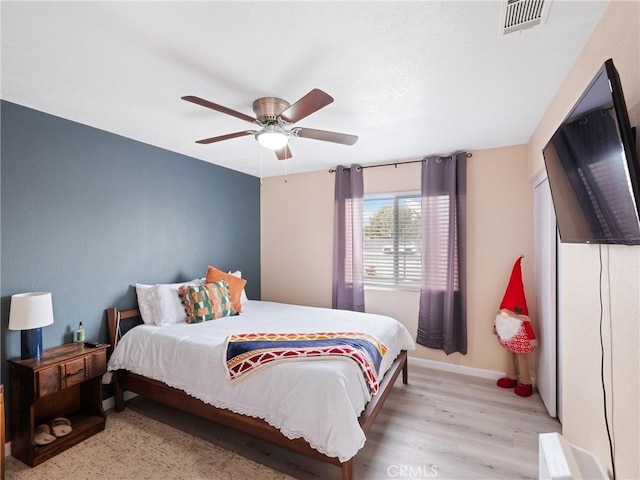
[442,425]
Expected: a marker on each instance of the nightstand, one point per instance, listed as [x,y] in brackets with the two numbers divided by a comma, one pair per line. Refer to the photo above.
[66,381]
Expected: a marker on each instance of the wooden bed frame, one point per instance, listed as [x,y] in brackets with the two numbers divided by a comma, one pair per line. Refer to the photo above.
[160,392]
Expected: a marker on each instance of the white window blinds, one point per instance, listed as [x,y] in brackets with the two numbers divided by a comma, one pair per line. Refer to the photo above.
[392,239]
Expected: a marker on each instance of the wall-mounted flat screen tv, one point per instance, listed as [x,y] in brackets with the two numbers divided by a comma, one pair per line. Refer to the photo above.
[593,168]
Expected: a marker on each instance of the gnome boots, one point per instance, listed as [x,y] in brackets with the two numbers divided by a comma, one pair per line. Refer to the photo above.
[522,390]
[506,382]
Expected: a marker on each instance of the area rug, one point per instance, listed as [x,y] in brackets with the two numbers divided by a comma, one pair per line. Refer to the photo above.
[136,447]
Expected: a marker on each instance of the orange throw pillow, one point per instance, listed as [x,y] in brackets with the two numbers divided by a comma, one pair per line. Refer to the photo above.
[236,285]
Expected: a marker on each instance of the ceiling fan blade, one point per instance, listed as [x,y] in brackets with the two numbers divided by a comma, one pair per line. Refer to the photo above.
[325,135]
[219,108]
[284,153]
[228,136]
[311,102]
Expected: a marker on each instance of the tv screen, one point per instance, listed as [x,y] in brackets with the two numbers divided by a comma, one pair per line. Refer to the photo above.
[593,168]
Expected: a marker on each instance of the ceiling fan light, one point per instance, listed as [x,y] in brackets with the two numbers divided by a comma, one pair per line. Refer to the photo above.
[272,137]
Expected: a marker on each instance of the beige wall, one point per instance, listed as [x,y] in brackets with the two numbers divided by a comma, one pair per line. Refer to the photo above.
[616,36]
[296,228]
[297,237]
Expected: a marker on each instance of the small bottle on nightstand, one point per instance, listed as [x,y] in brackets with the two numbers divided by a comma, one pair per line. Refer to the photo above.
[80,333]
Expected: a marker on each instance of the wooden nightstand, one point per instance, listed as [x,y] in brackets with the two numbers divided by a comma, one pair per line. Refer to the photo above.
[66,381]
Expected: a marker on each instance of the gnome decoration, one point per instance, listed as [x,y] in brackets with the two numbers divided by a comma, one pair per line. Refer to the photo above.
[513,328]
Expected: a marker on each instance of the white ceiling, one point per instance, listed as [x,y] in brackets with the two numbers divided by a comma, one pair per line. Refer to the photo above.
[409,78]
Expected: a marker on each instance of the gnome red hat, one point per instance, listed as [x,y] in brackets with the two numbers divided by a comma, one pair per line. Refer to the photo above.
[514,298]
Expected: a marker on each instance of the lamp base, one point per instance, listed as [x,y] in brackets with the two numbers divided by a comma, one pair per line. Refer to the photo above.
[31,343]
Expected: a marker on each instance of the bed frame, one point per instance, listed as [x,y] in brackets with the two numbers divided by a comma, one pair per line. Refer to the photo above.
[160,392]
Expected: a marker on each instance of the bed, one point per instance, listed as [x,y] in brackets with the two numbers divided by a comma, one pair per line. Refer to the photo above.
[319,408]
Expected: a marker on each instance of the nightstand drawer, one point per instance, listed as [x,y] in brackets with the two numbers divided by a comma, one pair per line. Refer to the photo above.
[96,364]
[47,381]
[74,372]
[53,379]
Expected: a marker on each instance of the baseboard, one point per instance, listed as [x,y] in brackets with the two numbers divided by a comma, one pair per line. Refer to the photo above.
[461,369]
[110,402]
[451,367]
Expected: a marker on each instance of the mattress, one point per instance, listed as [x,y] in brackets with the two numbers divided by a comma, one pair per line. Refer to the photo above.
[319,399]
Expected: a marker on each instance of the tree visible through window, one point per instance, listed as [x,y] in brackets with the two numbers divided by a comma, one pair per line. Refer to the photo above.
[392,239]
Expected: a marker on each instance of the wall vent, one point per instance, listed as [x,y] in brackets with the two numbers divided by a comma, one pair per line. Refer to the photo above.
[518,15]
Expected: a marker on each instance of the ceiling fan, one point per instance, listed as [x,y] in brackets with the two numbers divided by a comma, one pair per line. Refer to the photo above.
[275,117]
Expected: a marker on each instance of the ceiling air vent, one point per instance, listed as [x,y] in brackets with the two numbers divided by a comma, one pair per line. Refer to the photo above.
[518,15]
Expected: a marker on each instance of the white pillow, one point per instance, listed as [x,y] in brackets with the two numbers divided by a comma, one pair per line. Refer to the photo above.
[160,304]
[243,296]
[146,294]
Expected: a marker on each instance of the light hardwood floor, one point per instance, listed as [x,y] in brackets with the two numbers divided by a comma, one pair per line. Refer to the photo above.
[441,425]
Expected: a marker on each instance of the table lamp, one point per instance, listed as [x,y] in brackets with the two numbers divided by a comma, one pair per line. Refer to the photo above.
[29,313]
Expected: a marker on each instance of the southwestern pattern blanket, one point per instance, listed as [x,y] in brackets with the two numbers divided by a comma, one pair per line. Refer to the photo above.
[247,352]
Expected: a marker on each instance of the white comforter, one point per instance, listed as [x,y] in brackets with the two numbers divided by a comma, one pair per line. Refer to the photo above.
[317,400]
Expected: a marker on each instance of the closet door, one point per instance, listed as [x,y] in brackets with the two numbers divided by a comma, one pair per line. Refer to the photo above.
[545,251]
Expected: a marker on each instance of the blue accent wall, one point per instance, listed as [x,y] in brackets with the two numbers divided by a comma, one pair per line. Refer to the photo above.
[86,214]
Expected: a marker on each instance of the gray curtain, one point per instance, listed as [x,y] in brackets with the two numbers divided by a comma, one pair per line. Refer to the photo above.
[442,322]
[348,279]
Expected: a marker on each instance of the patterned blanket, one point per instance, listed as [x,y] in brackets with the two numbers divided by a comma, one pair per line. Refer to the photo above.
[247,352]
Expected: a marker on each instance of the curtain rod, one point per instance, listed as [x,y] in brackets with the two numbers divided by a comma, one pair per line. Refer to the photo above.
[395,164]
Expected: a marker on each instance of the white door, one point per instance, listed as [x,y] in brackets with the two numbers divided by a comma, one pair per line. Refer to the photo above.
[545,250]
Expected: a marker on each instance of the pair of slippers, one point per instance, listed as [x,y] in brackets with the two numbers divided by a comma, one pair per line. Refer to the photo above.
[45,434]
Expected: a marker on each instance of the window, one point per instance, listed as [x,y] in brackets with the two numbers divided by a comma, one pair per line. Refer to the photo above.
[392,239]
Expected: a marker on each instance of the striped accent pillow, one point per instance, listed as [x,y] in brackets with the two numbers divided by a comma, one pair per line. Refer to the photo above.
[206,302]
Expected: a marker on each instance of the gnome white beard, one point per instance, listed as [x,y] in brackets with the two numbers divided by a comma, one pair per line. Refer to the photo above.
[507,326]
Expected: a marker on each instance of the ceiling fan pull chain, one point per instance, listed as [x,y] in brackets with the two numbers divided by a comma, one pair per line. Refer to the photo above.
[286,172]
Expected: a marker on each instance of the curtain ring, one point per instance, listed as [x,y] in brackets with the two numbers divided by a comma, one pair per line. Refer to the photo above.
[438,160]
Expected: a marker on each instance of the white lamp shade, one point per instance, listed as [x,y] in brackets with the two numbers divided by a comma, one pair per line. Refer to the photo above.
[30,310]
